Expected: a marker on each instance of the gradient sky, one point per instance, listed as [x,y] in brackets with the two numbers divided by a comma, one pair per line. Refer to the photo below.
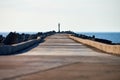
[75,15]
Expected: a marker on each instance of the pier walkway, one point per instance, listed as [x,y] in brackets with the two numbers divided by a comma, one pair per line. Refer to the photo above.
[60,58]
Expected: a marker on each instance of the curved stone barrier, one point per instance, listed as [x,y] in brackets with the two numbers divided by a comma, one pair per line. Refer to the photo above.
[114,49]
[11,49]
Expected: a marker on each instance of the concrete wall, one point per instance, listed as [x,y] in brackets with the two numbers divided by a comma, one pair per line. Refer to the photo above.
[11,49]
[114,49]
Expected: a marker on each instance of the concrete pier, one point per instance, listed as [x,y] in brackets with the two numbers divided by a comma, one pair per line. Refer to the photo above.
[60,58]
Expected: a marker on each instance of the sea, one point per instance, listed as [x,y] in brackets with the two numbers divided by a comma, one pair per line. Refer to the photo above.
[113,36]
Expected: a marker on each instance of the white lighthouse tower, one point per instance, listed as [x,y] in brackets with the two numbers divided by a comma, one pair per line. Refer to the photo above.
[58,27]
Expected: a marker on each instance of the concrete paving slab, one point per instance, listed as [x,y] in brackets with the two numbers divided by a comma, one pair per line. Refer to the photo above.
[60,58]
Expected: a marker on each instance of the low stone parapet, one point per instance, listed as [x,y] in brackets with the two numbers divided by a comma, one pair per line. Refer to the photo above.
[11,49]
[114,49]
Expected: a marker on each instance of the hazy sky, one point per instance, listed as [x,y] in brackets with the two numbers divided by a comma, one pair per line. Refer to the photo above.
[75,15]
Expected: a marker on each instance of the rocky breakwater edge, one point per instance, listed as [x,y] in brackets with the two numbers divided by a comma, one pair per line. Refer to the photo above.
[101,44]
[15,42]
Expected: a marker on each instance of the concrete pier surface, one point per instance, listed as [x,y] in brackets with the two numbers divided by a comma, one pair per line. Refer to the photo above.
[60,58]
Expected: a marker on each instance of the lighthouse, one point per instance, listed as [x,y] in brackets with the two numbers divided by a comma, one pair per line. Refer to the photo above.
[58,27]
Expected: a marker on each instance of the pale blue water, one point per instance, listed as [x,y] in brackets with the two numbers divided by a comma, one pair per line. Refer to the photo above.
[4,33]
[113,36]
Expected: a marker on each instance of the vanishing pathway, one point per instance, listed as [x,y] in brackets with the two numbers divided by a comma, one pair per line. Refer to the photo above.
[60,58]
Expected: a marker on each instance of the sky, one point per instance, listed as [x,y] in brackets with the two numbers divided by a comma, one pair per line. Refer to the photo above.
[74,15]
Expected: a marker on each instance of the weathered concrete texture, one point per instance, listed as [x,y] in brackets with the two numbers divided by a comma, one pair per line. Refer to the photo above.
[78,71]
[60,58]
[61,44]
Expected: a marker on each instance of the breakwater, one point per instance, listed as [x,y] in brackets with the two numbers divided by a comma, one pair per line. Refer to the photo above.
[114,49]
[11,49]
[15,42]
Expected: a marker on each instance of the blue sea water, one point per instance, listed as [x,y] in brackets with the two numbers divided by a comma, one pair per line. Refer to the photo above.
[4,33]
[113,36]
